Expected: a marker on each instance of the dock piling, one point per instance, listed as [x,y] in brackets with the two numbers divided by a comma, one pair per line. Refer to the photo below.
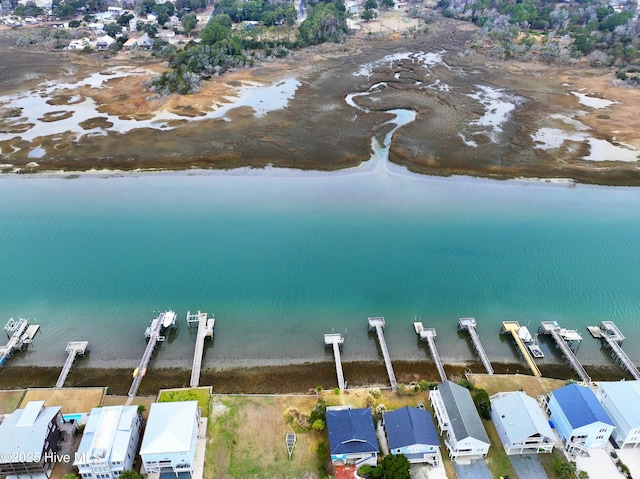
[469,324]
[429,335]
[205,330]
[73,349]
[336,340]
[377,324]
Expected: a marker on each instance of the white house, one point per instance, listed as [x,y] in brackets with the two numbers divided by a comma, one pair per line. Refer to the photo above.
[621,400]
[456,414]
[109,442]
[29,438]
[104,42]
[410,431]
[579,418]
[352,436]
[169,442]
[522,426]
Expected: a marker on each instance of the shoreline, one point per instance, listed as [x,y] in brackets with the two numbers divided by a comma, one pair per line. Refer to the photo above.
[282,379]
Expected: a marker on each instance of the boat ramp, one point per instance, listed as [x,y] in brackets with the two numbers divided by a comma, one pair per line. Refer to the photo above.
[20,334]
[73,349]
[469,324]
[429,335]
[205,330]
[513,327]
[336,340]
[154,335]
[609,334]
[377,324]
[565,339]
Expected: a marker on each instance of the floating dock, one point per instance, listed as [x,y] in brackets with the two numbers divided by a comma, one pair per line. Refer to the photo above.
[336,340]
[612,337]
[73,349]
[513,327]
[563,338]
[469,324]
[154,334]
[20,334]
[429,335]
[377,323]
[205,330]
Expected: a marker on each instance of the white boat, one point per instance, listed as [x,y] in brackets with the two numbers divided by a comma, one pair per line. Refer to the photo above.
[169,319]
[535,350]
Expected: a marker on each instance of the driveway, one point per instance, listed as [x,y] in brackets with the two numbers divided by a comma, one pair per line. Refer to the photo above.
[631,458]
[528,466]
[473,470]
[598,464]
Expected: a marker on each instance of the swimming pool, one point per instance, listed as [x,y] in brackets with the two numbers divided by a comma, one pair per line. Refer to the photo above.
[76,417]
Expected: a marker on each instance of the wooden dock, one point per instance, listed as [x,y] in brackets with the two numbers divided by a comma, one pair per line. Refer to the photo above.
[429,335]
[612,337]
[336,340]
[513,327]
[20,333]
[469,324]
[562,338]
[73,349]
[154,335]
[205,330]
[377,323]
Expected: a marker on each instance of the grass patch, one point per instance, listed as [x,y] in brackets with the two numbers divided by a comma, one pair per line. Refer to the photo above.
[497,459]
[202,395]
[9,400]
[548,460]
[235,448]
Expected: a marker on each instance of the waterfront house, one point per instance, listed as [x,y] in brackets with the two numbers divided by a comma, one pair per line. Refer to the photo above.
[104,42]
[579,418]
[170,438]
[352,436]
[620,400]
[411,431]
[109,442]
[522,426]
[29,440]
[456,414]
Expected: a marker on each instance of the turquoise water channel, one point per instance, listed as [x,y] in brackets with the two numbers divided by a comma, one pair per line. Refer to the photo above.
[281,258]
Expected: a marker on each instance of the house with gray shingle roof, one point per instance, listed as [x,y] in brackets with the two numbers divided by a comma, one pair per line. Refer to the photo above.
[352,436]
[522,426]
[620,400]
[410,431]
[456,414]
[29,439]
[579,418]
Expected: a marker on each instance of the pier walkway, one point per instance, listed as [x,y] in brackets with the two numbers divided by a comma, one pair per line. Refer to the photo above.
[377,323]
[429,335]
[562,337]
[611,336]
[153,333]
[469,324]
[20,333]
[513,327]
[73,348]
[205,330]
[336,340]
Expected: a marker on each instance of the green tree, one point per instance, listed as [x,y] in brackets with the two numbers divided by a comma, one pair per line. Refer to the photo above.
[112,29]
[370,5]
[482,402]
[189,22]
[213,33]
[324,23]
[131,474]
[396,466]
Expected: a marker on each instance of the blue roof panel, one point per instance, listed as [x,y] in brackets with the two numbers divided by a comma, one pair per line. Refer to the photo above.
[408,426]
[351,431]
[581,406]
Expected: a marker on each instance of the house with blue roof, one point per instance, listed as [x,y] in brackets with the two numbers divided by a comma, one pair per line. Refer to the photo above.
[621,399]
[522,426]
[457,415]
[411,431]
[352,436]
[109,442]
[579,418]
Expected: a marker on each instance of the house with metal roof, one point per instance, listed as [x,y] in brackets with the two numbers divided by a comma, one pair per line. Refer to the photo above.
[411,431]
[579,418]
[29,439]
[620,400]
[456,414]
[352,436]
[522,426]
[109,442]
[170,438]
